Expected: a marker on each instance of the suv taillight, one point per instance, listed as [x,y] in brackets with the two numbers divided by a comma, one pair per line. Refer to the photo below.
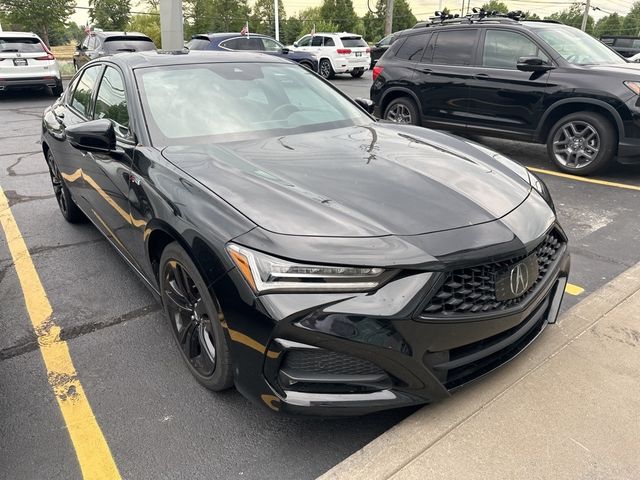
[343,51]
[377,71]
[368,50]
[48,56]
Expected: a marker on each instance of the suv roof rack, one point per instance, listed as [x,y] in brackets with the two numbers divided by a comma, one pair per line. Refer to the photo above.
[478,15]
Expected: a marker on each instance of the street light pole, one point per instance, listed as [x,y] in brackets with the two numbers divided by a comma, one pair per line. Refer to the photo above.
[585,17]
[277,20]
[388,22]
[171,25]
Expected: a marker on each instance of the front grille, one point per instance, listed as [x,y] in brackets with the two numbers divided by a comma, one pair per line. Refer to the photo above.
[473,290]
[327,362]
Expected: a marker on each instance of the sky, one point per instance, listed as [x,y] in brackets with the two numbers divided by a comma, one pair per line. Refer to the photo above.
[422,9]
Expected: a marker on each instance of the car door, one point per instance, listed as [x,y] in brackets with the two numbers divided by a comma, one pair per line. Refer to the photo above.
[304,44]
[501,97]
[442,78]
[77,109]
[107,174]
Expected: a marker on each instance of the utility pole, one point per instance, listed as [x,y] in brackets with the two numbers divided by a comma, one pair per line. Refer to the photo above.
[388,22]
[586,15]
[171,25]
[277,20]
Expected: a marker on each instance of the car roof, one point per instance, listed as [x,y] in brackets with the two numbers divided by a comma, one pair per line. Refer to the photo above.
[228,34]
[340,34]
[18,34]
[153,58]
[118,34]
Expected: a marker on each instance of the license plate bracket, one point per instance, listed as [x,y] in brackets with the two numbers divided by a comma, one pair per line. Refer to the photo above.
[20,62]
[358,54]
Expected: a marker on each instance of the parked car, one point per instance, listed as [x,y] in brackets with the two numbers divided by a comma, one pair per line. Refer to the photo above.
[26,62]
[626,46]
[380,47]
[98,43]
[251,42]
[635,58]
[539,81]
[323,262]
[337,53]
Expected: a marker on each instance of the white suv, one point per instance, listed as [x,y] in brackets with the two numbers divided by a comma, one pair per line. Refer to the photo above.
[337,53]
[26,62]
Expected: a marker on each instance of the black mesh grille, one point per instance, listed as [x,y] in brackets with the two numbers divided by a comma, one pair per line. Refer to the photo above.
[324,361]
[473,290]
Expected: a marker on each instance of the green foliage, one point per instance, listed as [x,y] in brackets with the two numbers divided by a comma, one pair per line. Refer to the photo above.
[339,13]
[532,16]
[110,14]
[263,18]
[631,23]
[495,6]
[39,16]
[609,25]
[148,23]
[208,16]
[573,17]
[403,18]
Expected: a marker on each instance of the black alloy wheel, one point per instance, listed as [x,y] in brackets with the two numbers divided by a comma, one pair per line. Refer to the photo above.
[582,143]
[357,73]
[325,69]
[195,319]
[68,207]
[402,110]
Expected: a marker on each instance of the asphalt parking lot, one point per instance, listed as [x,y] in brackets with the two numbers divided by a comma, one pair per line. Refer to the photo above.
[157,421]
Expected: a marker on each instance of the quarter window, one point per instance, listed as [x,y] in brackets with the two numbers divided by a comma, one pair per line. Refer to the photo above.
[502,49]
[328,42]
[111,101]
[455,47]
[81,99]
[413,47]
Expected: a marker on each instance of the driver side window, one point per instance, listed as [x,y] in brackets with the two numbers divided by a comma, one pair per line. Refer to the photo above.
[503,49]
[305,41]
[271,45]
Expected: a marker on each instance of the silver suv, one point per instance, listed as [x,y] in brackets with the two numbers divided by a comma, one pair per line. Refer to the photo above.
[26,62]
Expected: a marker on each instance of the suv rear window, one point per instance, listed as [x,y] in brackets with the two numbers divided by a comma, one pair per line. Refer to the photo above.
[128,44]
[353,42]
[455,47]
[20,45]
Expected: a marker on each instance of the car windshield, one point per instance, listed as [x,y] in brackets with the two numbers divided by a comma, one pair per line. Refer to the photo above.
[221,102]
[577,47]
[129,44]
[20,45]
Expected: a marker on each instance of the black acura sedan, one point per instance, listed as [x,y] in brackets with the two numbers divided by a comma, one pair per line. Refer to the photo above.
[321,261]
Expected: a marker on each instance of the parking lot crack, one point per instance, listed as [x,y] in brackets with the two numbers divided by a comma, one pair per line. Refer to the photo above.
[14,197]
[11,168]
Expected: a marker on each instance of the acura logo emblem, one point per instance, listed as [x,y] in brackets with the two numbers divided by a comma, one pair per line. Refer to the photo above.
[519,280]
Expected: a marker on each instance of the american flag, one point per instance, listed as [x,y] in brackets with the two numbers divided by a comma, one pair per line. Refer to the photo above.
[245,29]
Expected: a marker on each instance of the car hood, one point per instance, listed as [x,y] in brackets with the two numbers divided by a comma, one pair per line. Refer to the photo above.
[362,181]
[620,69]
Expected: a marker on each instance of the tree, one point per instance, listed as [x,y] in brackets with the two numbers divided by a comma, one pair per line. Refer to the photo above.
[573,17]
[495,6]
[340,13]
[110,14]
[403,18]
[531,16]
[631,23]
[147,23]
[38,16]
[609,25]
[263,17]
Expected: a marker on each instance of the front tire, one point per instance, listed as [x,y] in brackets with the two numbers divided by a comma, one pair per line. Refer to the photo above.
[402,110]
[195,319]
[68,207]
[357,73]
[582,143]
[325,69]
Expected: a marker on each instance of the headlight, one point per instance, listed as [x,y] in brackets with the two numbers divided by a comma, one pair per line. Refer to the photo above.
[633,86]
[541,187]
[266,273]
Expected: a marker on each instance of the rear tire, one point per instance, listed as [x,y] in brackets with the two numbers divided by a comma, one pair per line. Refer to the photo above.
[357,73]
[582,143]
[68,207]
[403,110]
[325,69]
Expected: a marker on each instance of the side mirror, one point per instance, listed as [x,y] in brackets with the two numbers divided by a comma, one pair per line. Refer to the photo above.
[533,64]
[295,44]
[366,104]
[285,50]
[93,136]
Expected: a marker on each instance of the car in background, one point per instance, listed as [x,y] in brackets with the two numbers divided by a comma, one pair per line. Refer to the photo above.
[627,46]
[99,43]
[337,53]
[535,81]
[380,47]
[320,260]
[635,58]
[26,62]
[251,42]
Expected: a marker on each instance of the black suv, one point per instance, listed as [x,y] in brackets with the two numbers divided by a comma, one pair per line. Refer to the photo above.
[99,43]
[540,82]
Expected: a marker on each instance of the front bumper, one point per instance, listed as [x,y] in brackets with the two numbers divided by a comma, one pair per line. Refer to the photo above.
[373,351]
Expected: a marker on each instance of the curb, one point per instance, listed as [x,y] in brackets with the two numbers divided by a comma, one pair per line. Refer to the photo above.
[393,450]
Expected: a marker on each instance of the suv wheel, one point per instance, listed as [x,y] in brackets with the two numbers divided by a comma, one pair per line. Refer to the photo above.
[402,110]
[582,143]
[357,73]
[325,69]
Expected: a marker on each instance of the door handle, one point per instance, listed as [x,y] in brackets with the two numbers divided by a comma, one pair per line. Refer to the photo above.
[481,76]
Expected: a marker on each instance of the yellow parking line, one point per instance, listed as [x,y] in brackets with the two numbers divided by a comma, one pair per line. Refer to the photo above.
[572,289]
[90,445]
[586,179]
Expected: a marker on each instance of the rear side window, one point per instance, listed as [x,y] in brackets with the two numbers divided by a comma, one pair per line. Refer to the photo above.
[244,43]
[81,99]
[20,45]
[128,44]
[413,47]
[316,41]
[351,42]
[502,49]
[455,47]
[198,44]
